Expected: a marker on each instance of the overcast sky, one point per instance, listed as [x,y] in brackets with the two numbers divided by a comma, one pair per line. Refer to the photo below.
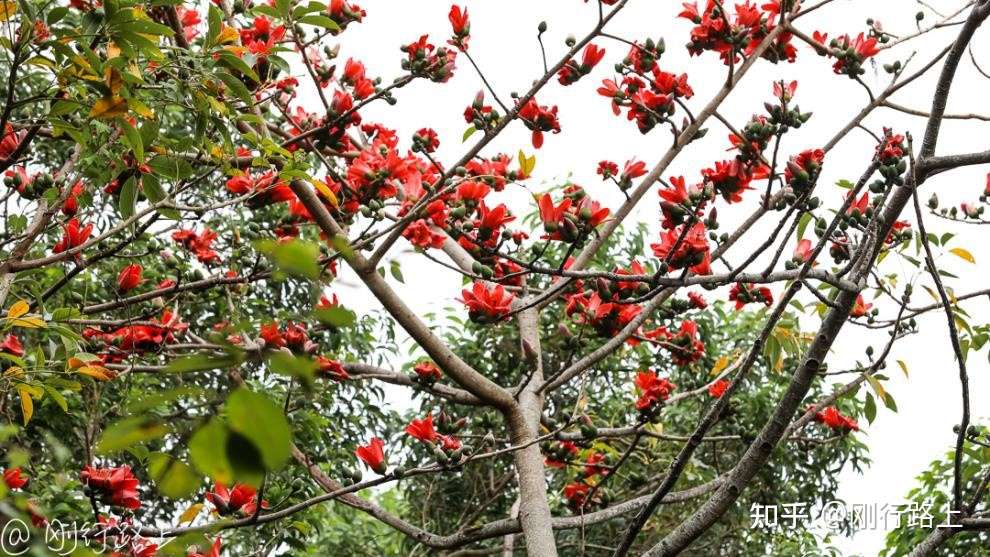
[504,45]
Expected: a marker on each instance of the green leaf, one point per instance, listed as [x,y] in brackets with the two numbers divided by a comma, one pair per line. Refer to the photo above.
[129,432]
[153,190]
[468,133]
[321,21]
[261,422]
[870,408]
[803,224]
[133,139]
[296,257]
[204,362]
[128,198]
[237,87]
[173,477]
[238,64]
[214,21]
[300,367]
[172,168]
[335,316]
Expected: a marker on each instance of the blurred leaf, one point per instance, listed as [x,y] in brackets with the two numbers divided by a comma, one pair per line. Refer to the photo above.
[262,422]
[172,477]
[129,432]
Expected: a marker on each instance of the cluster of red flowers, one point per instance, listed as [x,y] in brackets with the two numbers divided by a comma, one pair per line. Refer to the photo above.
[241,500]
[115,486]
[343,13]
[745,293]
[479,114]
[426,60]
[198,243]
[607,318]
[560,454]
[684,345]
[631,170]
[849,54]
[802,170]
[262,38]
[137,338]
[447,447]
[265,189]
[653,392]
[685,247]
[574,218]
[832,418]
[595,466]
[715,31]
[573,71]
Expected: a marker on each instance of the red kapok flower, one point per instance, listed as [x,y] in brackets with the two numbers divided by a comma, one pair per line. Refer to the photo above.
[539,119]
[75,235]
[373,455]
[13,478]
[653,391]
[117,486]
[831,417]
[692,252]
[12,345]
[718,388]
[129,278]
[331,368]
[860,308]
[213,552]
[428,371]
[423,430]
[242,499]
[803,251]
[487,305]
[461,25]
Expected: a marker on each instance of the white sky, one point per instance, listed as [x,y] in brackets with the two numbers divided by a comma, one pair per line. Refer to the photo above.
[504,45]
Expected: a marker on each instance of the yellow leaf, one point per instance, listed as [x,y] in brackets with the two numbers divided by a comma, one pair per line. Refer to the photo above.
[526,164]
[141,109]
[190,514]
[963,254]
[881,392]
[108,108]
[16,372]
[27,405]
[228,35]
[113,80]
[18,309]
[28,322]
[7,10]
[96,372]
[904,367]
[720,365]
[326,192]
[113,51]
